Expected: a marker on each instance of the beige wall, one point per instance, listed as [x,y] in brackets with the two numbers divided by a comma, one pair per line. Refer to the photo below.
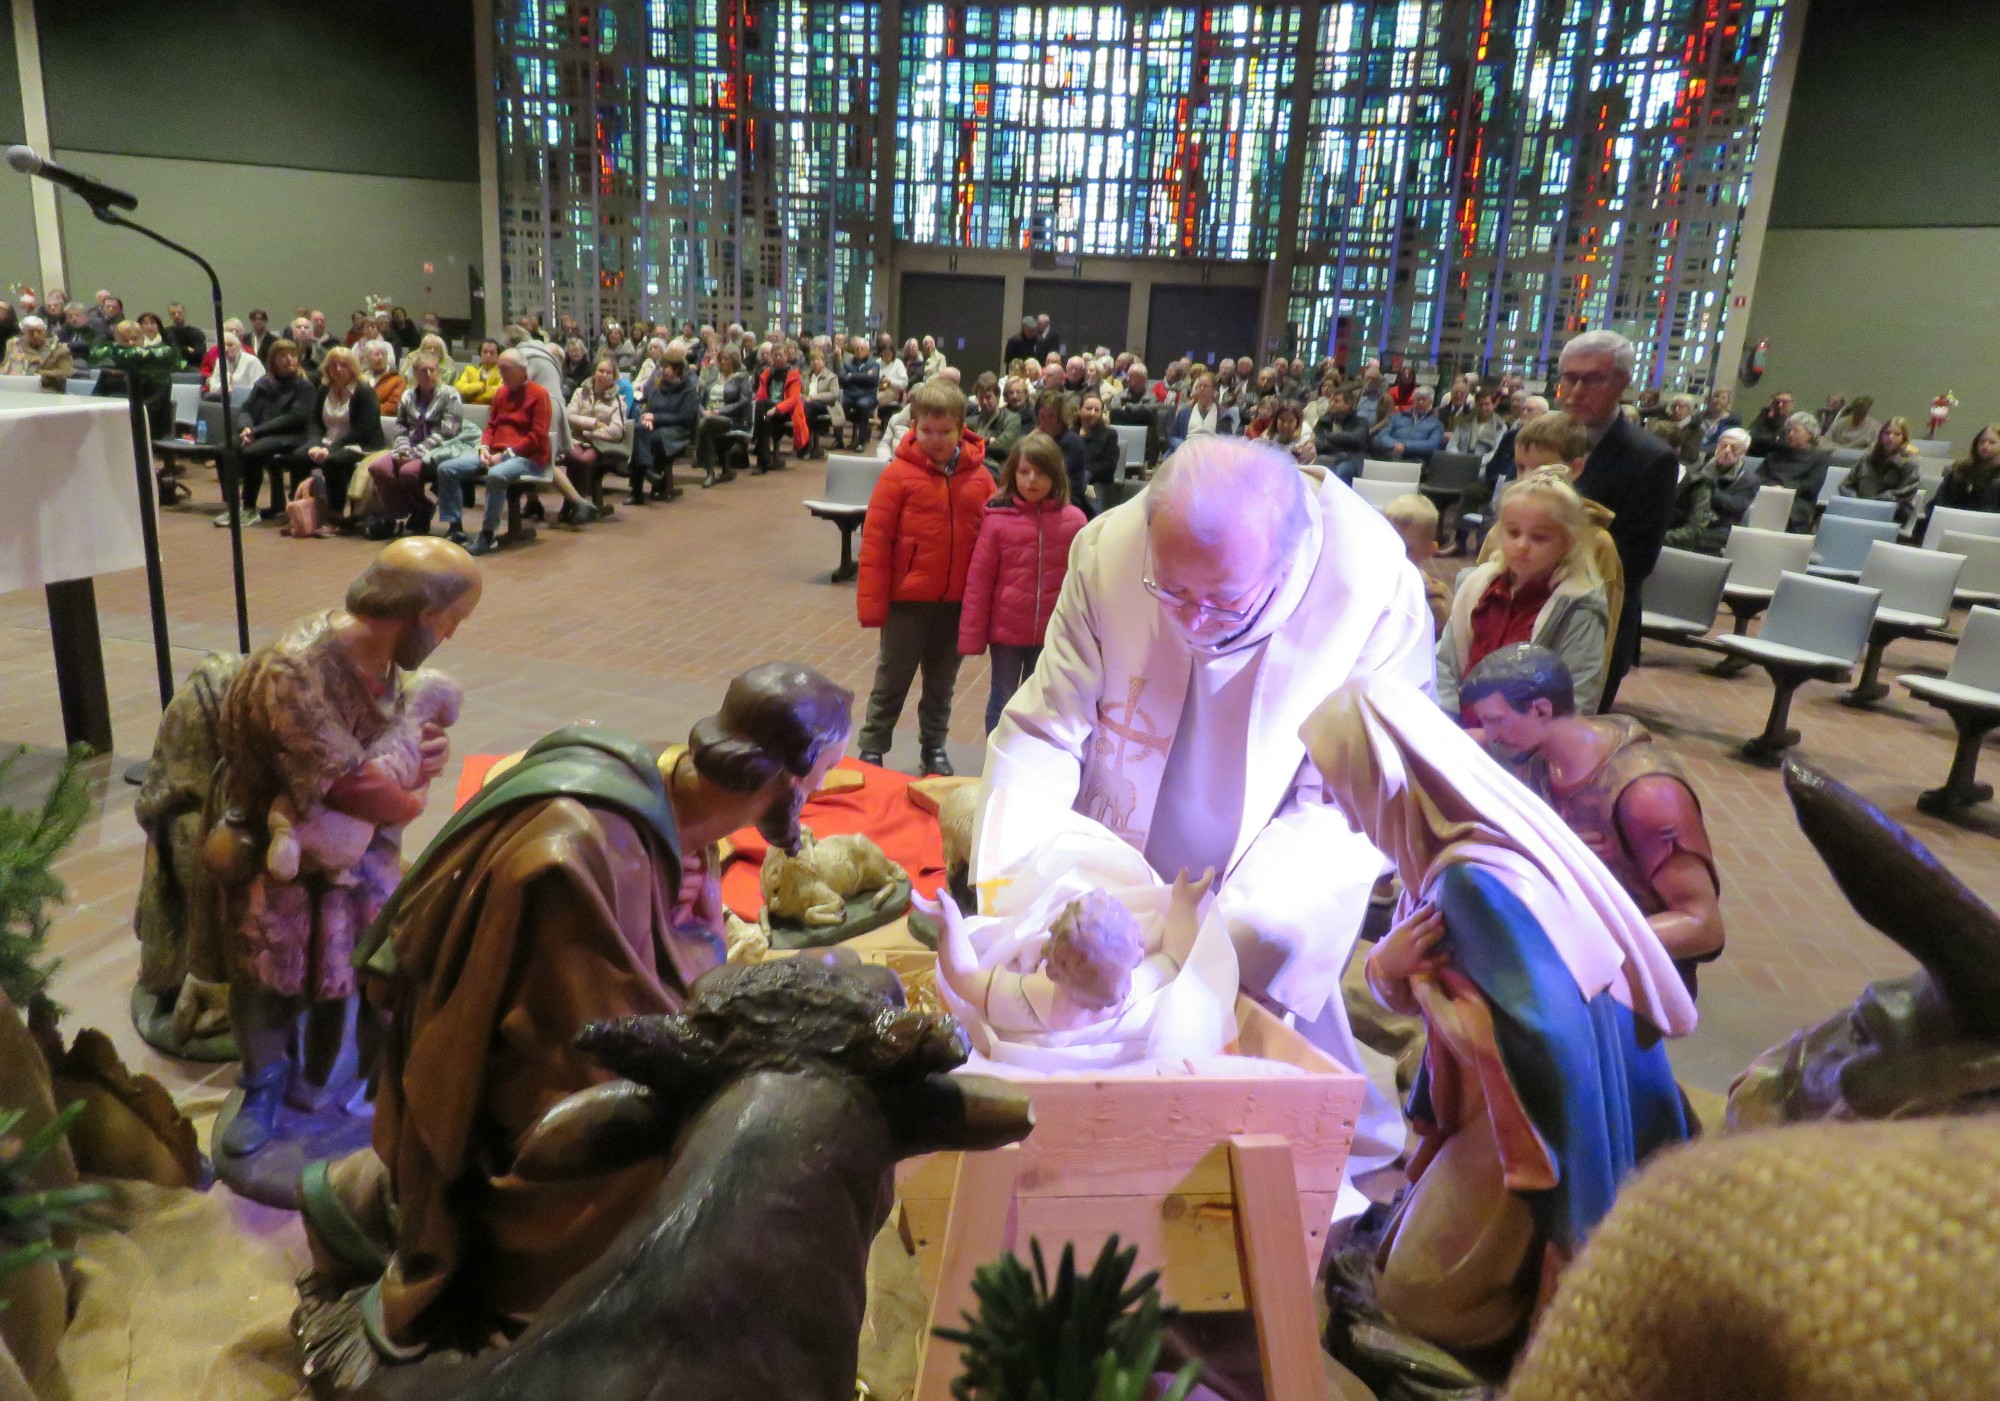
[279,237]
[18,260]
[1902,314]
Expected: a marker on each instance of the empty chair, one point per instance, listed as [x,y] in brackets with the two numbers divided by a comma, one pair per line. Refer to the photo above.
[21,384]
[187,403]
[1408,473]
[1933,447]
[1816,630]
[1132,442]
[1380,493]
[1840,546]
[1680,597]
[1979,581]
[1845,457]
[850,481]
[1970,695]
[1945,518]
[1757,558]
[1858,508]
[1772,509]
[1916,587]
[1829,489]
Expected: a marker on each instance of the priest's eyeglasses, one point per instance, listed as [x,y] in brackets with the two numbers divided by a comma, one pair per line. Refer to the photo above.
[1205,610]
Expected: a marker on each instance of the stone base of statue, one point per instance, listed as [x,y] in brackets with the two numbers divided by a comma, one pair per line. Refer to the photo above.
[153,1015]
[298,1136]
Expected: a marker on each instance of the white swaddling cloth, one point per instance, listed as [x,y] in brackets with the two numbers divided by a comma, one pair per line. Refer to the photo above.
[1182,1004]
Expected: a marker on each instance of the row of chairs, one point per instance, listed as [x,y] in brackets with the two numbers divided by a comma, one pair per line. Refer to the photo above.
[1821,626]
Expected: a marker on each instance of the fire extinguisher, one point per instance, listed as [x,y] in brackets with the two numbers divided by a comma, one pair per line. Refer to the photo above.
[1754,360]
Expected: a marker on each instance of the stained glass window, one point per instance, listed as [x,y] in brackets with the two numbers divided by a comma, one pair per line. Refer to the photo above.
[1478,179]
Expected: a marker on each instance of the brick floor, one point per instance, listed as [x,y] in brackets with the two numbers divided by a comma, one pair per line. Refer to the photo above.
[638,622]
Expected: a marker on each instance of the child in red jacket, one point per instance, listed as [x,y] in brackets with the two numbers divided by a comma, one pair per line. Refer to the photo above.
[1019,567]
[916,550]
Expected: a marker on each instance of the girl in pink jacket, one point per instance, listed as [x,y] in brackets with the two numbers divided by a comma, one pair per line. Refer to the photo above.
[1018,567]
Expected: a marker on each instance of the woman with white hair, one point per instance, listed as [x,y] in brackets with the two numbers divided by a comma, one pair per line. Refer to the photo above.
[1544,993]
[243,368]
[35,352]
[1798,461]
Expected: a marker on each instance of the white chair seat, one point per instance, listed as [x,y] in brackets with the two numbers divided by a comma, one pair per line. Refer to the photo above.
[1746,594]
[834,508]
[1972,598]
[1902,618]
[1756,649]
[1939,688]
[1666,622]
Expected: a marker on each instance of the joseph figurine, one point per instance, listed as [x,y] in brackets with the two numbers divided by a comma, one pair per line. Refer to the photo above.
[557,897]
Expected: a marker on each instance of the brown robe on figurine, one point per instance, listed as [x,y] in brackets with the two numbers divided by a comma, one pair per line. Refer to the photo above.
[545,905]
[1635,811]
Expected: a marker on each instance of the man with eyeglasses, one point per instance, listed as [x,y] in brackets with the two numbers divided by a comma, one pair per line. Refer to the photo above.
[1197,629]
[1629,471]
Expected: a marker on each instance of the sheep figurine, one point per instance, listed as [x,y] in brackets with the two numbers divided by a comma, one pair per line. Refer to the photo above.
[813,887]
[331,843]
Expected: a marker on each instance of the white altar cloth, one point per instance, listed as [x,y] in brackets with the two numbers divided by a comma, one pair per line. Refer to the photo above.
[67,477]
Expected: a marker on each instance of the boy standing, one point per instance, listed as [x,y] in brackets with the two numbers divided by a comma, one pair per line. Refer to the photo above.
[916,549]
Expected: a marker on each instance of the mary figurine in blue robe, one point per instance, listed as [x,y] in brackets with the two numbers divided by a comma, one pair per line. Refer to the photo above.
[1545,995]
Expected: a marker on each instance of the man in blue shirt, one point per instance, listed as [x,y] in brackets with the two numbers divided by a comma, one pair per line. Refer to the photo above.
[1416,432]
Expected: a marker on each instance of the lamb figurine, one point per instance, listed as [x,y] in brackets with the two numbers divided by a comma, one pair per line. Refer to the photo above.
[1095,963]
[331,843]
[814,886]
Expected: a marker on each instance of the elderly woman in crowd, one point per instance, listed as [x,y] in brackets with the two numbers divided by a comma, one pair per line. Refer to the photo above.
[576,364]
[431,344]
[346,426]
[236,367]
[431,427]
[1887,471]
[273,426]
[596,414]
[620,351]
[35,352]
[934,361]
[383,377]
[1679,428]
[648,365]
[1797,461]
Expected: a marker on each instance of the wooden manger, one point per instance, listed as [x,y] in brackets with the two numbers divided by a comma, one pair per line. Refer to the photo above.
[1225,1183]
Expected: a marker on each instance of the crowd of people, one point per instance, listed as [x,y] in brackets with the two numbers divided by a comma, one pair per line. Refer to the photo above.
[371,427]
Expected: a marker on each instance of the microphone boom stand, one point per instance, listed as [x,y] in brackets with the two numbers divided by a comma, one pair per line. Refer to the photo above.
[227,468]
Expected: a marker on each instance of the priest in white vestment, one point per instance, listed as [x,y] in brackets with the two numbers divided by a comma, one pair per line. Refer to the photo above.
[1198,627]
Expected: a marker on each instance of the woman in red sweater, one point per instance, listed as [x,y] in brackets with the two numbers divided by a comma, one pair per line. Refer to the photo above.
[916,549]
[1018,567]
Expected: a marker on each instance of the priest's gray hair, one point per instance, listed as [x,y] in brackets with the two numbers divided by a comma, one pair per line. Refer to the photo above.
[1222,489]
[1621,350]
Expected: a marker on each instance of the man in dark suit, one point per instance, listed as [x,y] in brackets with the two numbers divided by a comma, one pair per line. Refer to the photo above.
[1047,343]
[1629,471]
[1022,346]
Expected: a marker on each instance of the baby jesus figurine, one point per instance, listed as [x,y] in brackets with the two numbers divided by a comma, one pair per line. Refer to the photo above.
[1093,963]
[321,840]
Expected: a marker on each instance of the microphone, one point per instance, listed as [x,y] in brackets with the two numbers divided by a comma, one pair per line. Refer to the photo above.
[93,193]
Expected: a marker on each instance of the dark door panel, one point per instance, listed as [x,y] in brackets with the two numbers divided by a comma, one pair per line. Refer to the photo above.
[967,314]
[1084,315]
[1201,323]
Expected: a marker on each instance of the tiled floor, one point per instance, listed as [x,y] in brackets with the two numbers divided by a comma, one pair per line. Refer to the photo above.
[639,621]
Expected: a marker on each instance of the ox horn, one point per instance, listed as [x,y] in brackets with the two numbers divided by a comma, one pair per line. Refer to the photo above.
[1895,883]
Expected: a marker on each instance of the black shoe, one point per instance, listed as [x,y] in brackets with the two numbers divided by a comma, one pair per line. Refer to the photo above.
[637,498]
[728,474]
[583,513]
[381,530]
[531,509]
[870,756]
[420,522]
[662,490]
[484,545]
[936,765]
[708,479]
[566,514]
[455,535]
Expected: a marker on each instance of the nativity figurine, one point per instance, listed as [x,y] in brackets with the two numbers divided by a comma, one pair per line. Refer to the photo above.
[1624,795]
[1544,993]
[180,1004]
[815,886]
[299,722]
[561,894]
[1096,961]
[773,1108]
[326,841]
[1082,959]
[1924,1044]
